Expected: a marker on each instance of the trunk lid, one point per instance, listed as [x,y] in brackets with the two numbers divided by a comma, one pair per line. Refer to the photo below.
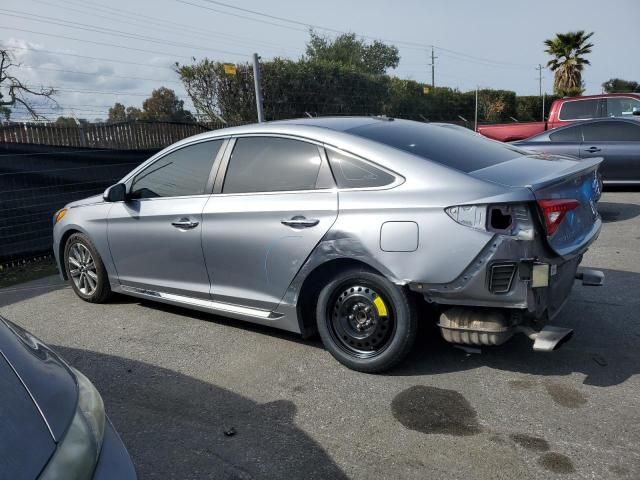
[552,177]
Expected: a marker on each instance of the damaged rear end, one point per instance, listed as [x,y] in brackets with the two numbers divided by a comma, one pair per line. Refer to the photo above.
[523,277]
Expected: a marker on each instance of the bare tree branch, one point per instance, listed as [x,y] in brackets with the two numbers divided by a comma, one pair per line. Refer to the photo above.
[18,92]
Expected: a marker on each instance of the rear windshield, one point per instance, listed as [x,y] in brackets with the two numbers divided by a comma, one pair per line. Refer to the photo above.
[453,147]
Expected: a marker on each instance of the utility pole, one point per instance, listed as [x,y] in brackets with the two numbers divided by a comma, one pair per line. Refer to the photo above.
[539,68]
[475,124]
[433,68]
[256,81]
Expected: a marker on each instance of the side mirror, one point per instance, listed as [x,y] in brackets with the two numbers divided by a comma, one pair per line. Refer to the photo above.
[115,193]
[636,111]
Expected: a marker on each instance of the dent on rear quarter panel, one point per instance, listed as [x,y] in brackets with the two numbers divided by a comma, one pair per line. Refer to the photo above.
[444,248]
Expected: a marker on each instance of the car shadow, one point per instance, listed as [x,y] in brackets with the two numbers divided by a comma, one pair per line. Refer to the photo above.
[605,346]
[617,212]
[176,426]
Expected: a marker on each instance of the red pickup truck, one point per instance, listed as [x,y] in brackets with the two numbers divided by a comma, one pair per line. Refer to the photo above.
[564,111]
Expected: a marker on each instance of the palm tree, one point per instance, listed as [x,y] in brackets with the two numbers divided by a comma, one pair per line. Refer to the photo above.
[568,50]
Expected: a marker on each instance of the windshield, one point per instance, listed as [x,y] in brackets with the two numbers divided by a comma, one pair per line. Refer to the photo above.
[453,147]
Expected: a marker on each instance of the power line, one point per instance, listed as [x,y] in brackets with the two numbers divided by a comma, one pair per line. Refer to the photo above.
[161,24]
[52,52]
[155,52]
[109,31]
[101,74]
[329,29]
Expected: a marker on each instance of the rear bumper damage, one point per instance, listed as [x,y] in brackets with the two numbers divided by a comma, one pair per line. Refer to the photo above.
[512,286]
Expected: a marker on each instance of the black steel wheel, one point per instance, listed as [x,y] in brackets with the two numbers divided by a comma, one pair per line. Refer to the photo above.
[365,321]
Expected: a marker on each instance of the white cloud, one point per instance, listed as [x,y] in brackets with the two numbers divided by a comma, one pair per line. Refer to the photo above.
[79,79]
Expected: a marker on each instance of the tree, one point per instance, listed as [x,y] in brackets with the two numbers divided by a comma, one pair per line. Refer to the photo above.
[618,85]
[65,122]
[218,96]
[133,114]
[117,113]
[70,122]
[18,93]
[164,106]
[347,49]
[568,50]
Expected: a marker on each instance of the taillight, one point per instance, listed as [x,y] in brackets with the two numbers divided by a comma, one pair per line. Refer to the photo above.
[512,219]
[554,211]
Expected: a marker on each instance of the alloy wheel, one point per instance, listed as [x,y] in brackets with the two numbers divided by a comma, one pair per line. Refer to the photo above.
[82,269]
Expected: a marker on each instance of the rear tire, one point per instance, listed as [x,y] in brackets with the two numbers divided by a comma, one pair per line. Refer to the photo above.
[365,321]
[85,270]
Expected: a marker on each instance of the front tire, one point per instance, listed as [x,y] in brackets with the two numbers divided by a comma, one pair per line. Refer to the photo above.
[85,270]
[365,321]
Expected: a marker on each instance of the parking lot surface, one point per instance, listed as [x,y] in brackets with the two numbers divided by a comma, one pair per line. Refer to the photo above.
[196,396]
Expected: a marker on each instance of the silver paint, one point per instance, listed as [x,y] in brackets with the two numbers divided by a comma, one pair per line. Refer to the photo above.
[239,258]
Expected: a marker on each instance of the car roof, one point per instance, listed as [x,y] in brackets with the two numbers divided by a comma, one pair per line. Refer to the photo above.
[632,119]
[603,95]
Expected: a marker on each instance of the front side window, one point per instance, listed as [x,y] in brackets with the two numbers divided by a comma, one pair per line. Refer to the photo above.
[621,106]
[569,134]
[611,132]
[351,172]
[579,109]
[270,164]
[182,172]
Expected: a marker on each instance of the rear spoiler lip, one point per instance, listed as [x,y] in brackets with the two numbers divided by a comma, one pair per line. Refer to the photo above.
[581,166]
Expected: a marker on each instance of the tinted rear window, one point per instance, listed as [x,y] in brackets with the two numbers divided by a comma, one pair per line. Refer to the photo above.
[447,146]
[570,134]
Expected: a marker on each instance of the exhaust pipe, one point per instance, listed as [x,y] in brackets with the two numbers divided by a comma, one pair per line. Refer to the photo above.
[484,327]
[547,339]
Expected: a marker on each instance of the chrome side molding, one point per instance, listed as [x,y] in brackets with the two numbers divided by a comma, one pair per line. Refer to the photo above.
[210,305]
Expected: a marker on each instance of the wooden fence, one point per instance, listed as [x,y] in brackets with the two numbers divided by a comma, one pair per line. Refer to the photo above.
[125,136]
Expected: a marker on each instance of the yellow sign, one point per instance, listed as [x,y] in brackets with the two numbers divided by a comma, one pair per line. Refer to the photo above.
[229,69]
[425,90]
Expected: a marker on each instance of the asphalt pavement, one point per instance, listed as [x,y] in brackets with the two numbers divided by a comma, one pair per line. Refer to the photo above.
[195,396]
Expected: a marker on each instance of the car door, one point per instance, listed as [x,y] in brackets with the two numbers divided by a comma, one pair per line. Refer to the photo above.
[155,235]
[563,141]
[273,202]
[618,141]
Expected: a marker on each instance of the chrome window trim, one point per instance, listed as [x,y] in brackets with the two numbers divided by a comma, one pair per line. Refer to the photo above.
[397,178]
[224,165]
[128,178]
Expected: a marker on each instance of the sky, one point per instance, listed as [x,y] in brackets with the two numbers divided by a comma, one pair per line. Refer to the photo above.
[96,53]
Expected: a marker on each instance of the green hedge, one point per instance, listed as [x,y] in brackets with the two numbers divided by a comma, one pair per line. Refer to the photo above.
[300,88]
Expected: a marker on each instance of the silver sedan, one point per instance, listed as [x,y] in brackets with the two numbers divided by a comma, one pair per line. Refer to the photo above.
[346,227]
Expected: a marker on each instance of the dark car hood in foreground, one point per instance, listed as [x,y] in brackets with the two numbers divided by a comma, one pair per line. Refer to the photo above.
[38,395]
[25,441]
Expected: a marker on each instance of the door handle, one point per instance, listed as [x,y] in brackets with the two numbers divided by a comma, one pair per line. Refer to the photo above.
[185,224]
[592,149]
[300,222]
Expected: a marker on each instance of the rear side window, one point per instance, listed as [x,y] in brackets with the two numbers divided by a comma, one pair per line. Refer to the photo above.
[352,172]
[448,146]
[269,164]
[611,132]
[579,109]
[182,172]
[570,134]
